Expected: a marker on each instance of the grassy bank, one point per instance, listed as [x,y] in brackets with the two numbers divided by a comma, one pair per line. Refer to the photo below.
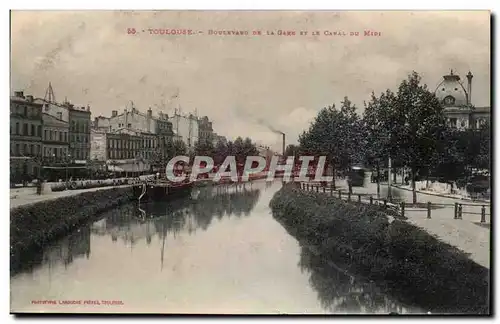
[413,265]
[34,225]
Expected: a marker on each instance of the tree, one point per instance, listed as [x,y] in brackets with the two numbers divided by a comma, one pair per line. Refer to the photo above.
[320,139]
[204,148]
[292,150]
[249,148]
[174,148]
[416,125]
[238,150]
[449,162]
[220,152]
[337,135]
[483,160]
[377,131]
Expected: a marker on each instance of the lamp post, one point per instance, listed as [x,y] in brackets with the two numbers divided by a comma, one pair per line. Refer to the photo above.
[53,156]
[389,194]
[68,158]
[389,166]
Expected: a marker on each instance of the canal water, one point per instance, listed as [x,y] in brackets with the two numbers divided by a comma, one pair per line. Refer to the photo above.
[219,252]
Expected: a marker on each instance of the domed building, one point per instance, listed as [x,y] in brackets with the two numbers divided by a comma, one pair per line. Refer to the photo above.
[456,99]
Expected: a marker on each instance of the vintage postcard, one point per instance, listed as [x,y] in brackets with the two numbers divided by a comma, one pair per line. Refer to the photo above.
[250,162]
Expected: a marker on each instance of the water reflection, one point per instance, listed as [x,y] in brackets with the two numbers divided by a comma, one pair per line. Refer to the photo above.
[130,224]
[240,261]
[65,251]
[340,292]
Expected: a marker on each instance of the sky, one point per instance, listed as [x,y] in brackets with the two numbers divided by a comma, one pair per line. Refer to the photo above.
[247,85]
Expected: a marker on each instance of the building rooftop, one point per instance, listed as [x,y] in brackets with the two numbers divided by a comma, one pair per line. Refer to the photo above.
[451,92]
[20,97]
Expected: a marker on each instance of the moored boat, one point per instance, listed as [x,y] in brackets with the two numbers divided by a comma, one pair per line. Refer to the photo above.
[162,190]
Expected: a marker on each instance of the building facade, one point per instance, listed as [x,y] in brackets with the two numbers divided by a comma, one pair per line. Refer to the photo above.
[124,146]
[102,124]
[205,130]
[59,111]
[123,150]
[165,134]
[187,128]
[79,133]
[154,132]
[55,138]
[129,119]
[25,135]
[456,98]
[98,145]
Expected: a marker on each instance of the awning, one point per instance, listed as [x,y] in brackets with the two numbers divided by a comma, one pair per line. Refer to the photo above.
[115,168]
[21,158]
[63,167]
[129,167]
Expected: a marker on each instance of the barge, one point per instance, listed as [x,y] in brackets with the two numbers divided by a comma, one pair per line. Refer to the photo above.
[162,190]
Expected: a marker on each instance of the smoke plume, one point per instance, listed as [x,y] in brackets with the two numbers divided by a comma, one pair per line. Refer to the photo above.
[271,128]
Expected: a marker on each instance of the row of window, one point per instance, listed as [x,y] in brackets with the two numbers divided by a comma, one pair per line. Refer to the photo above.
[27,129]
[26,111]
[57,152]
[206,135]
[116,154]
[164,126]
[132,144]
[80,126]
[51,135]
[453,122]
[80,154]
[80,138]
[36,150]
[26,149]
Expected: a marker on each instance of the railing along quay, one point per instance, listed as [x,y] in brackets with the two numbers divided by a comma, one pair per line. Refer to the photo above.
[402,207]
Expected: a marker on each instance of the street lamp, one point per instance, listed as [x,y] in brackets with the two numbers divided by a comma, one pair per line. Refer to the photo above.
[68,158]
[389,167]
[389,193]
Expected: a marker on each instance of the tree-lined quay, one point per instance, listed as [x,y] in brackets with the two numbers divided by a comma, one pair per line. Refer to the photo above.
[407,127]
[399,205]
[367,241]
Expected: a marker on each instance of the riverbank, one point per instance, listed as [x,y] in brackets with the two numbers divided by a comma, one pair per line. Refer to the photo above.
[415,266]
[26,196]
[33,225]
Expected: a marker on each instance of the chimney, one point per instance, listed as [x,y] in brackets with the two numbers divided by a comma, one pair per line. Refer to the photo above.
[283,143]
[88,107]
[469,88]
[29,98]
[114,113]
[96,122]
[150,116]
[19,94]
